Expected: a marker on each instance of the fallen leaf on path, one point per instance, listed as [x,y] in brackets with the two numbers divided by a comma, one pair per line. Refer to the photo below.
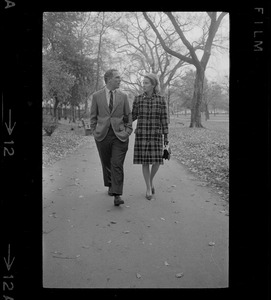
[127,231]
[179,275]
[109,242]
[57,252]
[138,275]
[86,246]
[166,263]
[53,215]
[81,196]
[113,222]
[163,219]
[65,257]
[211,244]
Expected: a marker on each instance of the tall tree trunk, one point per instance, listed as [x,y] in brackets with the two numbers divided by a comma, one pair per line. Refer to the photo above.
[55,107]
[86,106]
[207,114]
[197,99]
[79,112]
[73,113]
[65,112]
[99,54]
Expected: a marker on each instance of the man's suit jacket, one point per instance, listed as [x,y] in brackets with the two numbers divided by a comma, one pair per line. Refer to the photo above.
[120,118]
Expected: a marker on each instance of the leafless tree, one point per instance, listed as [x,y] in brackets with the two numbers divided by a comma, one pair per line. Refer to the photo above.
[204,43]
[145,52]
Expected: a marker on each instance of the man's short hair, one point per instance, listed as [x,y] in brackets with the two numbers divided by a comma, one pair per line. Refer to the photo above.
[109,74]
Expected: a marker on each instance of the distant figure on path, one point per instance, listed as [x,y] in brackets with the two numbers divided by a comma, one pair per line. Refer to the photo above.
[150,111]
[111,124]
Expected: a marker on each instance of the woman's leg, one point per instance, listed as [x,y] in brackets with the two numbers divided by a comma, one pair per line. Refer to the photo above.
[146,174]
[154,170]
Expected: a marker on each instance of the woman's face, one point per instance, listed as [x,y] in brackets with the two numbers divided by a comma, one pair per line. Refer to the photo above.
[147,85]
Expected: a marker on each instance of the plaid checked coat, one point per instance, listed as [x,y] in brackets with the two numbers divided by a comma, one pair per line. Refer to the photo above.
[152,122]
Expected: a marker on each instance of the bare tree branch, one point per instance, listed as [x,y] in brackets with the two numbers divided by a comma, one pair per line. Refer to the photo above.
[166,48]
[183,38]
[212,31]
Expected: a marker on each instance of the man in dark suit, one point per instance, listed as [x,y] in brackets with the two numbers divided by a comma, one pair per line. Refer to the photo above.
[111,124]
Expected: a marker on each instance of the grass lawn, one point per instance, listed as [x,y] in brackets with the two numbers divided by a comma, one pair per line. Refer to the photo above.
[204,151]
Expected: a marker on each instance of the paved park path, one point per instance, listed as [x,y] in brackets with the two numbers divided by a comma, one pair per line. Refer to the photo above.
[177,240]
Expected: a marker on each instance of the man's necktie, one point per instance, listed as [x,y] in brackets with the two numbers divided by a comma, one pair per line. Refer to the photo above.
[111,102]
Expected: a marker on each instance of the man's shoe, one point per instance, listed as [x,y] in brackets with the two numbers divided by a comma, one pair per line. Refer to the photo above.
[109,192]
[118,201]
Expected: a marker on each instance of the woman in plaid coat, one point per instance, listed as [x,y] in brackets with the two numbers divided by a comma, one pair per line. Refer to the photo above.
[149,109]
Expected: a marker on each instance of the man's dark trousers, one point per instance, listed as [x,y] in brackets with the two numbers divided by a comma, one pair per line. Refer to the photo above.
[112,153]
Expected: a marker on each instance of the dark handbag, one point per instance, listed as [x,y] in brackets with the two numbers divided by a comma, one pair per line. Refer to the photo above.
[167,152]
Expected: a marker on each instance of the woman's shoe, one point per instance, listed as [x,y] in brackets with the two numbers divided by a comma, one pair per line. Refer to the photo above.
[148,197]
[153,190]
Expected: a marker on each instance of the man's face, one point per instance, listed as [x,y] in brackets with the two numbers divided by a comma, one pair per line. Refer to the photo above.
[115,80]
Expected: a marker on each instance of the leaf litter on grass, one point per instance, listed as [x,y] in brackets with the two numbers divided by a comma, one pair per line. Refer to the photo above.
[62,142]
[204,151]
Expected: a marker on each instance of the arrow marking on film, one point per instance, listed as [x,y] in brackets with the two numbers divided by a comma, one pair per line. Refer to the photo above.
[9,128]
[8,262]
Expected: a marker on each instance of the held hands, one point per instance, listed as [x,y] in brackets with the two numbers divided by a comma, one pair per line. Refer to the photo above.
[125,119]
